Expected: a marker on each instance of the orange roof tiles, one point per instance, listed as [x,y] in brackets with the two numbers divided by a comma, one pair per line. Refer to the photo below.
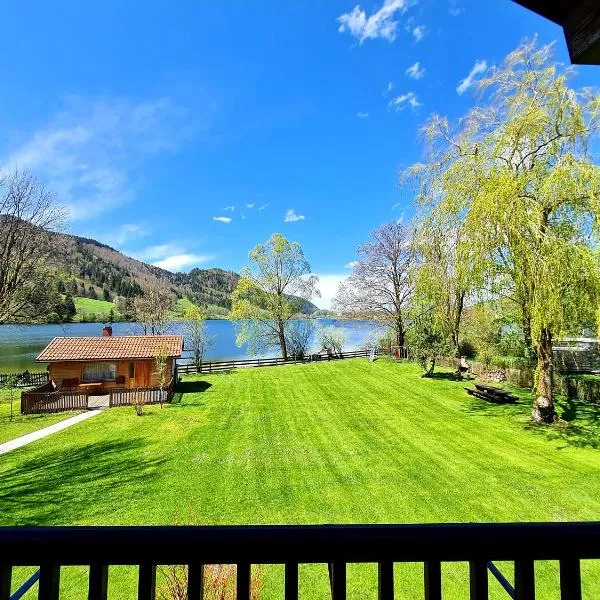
[110,347]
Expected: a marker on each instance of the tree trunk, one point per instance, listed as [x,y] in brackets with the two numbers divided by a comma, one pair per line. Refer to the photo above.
[458,309]
[399,333]
[282,343]
[531,353]
[543,407]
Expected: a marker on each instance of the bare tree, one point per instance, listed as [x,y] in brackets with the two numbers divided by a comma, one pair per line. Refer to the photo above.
[197,338]
[381,281]
[152,310]
[29,212]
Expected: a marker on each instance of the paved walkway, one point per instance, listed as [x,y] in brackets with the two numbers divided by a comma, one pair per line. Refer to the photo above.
[46,431]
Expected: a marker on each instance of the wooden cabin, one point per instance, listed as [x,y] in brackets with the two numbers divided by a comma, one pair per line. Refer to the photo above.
[98,364]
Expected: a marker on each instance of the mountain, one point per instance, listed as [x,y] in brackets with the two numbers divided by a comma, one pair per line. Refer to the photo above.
[86,268]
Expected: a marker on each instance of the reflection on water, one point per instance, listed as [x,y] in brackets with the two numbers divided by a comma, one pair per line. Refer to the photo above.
[20,344]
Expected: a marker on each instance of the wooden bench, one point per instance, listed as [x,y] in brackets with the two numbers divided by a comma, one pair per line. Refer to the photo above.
[492,394]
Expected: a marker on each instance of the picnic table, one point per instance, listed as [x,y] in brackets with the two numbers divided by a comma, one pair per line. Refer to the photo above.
[93,385]
[491,394]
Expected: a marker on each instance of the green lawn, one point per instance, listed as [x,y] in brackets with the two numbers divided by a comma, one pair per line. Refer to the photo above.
[341,442]
[22,424]
[100,308]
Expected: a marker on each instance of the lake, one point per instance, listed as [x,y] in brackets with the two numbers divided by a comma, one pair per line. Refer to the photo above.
[20,344]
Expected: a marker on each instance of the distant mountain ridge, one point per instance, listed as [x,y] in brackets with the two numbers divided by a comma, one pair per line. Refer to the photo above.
[86,267]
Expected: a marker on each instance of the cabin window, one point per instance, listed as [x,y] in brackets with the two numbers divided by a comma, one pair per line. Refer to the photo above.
[100,372]
[131,370]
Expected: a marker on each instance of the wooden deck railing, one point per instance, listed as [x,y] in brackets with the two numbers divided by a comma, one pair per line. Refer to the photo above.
[130,396]
[228,365]
[45,399]
[50,548]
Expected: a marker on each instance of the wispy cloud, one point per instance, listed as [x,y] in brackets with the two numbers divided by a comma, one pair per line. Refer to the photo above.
[415,71]
[292,217]
[401,102]
[262,207]
[91,150]
[222,219]
[249,205]
[351,264]
[418,32]
[123,234]
[479,67]
[388,89]
[362,115]
[380,24]
[171,256]
[454,9]
[230,208]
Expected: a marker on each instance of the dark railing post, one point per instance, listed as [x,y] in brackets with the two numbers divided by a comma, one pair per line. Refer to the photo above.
[385,581]
[524,580]
[570,579]
[147,582]
[433,580]
[337,580]
[478,580]
[98,582]
[49,582]
[291,581]
[5,581]
[195,589]
[242,582]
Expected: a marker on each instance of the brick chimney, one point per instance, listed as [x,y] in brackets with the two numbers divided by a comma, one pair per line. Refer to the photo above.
[106,331]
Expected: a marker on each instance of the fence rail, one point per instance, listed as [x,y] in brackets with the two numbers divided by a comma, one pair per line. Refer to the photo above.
[228,365]
[24,379]
[44,399]
[50,548]
[130,396]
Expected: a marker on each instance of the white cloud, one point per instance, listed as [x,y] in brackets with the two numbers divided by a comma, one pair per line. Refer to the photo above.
[179,262]
[479,67]
[380,24]
[419,32]
[415,71]
[262,207]
[124,234]
[90,151]
[172,256]
[230,208]
[362,115]
[249,204]
[222,219]
[454,9]
[292,217]
[351,264]
[404,100]
[328,286]
[388,89]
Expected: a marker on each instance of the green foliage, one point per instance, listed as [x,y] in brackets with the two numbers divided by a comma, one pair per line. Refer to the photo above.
[427,338]
[197,338]
[273,290]
[517,174]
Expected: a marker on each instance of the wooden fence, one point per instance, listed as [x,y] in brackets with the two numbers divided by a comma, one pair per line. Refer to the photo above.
[131,396]
[44,399]
[228,365]
[25,379]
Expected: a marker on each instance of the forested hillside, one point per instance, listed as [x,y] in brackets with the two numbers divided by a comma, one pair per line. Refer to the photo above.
[87,269]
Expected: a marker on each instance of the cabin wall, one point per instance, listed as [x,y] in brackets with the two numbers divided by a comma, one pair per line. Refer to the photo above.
[144,372]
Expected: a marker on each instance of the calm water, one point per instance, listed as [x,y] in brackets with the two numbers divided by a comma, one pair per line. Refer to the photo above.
[20,344]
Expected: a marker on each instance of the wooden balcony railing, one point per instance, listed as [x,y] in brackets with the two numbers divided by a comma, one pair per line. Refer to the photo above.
[335,545]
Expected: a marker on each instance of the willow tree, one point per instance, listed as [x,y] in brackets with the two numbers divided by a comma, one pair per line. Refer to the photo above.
[273,290]
[517,171]
[381,282]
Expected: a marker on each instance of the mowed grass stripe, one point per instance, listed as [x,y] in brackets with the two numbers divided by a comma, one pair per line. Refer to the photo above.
[346,441]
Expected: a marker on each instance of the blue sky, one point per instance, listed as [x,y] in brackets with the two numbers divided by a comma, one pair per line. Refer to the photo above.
[185,133]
